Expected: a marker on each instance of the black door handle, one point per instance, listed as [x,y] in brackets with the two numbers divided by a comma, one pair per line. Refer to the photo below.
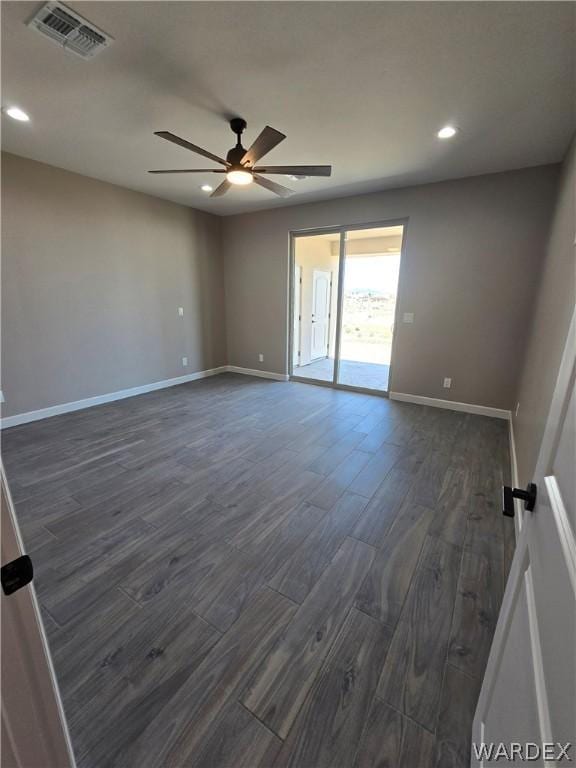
[509,494]
[16,574]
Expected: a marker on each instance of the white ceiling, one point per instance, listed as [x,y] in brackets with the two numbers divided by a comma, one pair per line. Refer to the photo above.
[361,85]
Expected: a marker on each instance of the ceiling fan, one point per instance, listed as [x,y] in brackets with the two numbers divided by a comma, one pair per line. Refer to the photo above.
[240,164]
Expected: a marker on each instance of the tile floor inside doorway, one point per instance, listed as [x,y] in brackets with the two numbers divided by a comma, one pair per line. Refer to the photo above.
[353,373]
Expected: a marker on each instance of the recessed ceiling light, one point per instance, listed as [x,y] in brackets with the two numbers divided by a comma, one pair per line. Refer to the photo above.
[17,114]
[207,188]
[294,177]
[447,132]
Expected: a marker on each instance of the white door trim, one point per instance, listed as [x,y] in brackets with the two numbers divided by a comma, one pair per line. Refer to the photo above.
[566,376]
[40,685]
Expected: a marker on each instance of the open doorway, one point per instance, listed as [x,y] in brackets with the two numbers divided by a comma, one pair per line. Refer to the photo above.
[345,287]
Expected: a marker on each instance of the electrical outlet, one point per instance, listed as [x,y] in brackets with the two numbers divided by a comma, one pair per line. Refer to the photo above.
[447,383]
[260,357]
[184,362]
[408,317]
[181,311]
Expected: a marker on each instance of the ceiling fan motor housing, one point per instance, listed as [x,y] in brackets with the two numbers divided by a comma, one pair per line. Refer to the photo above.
[235,155]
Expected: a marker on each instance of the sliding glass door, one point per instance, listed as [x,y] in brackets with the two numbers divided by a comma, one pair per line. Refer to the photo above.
[315,297]
[345,286]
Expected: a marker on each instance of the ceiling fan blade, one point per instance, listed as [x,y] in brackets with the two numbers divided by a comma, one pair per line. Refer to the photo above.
[221,189]
[267,140]
[187,145]
[296,170]
[278,189]
[193,170]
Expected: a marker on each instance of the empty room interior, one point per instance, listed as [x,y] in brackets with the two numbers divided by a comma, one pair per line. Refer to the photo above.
[288,361]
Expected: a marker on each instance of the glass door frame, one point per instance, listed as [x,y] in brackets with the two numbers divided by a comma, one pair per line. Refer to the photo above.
[341,230]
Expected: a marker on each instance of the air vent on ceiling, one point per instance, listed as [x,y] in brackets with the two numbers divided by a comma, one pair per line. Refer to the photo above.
[67,28]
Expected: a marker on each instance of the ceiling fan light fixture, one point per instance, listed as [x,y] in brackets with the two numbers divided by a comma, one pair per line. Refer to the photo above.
[239,177]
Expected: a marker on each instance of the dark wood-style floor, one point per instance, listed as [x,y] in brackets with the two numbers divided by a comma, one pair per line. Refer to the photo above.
[239,572]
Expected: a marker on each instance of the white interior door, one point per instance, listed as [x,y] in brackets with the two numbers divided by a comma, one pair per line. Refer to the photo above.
[529,690]
[321,291]
[34,731]
[297,315]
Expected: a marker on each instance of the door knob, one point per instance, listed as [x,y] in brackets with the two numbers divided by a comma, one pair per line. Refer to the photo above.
[16,574]
[509,494]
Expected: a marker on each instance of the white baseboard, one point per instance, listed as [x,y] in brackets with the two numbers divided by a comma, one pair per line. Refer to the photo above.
[89,402]
[479,410]
[254,372]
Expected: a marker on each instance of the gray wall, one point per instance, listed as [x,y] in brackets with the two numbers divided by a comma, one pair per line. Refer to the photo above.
[472,258]
[92,276]
[551,314]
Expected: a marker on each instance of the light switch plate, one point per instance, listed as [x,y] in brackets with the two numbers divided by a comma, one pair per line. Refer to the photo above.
[181,311]
[408,317]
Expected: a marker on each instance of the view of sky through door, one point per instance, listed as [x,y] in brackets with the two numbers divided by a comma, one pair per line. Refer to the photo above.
[371,272]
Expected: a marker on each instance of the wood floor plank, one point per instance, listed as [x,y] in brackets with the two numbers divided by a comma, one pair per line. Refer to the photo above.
[368,480]
[458,704]
[333,457]
[226,590]
[288,673]
[391,740]
[169,566]
[83,639]
[428,484]
[385,504]
[377,435]
[200,548]
[237,740]
[384,589]
[299,574]
[173,738]
[452,510]
[328,728]
[412,676]
[485,519]
[137,673]
[338,481]
[476,608]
